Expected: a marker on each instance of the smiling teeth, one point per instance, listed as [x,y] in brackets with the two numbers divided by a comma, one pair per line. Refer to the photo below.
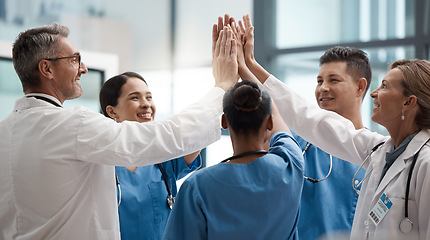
[375,105]
[147,115]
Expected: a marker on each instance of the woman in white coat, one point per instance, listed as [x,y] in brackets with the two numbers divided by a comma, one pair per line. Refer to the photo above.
[390,206]
[401,105]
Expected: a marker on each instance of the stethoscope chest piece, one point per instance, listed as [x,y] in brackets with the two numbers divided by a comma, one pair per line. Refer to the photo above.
[406,225]
[170,201]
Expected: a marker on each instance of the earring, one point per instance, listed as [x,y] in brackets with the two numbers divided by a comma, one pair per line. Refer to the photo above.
[403,116]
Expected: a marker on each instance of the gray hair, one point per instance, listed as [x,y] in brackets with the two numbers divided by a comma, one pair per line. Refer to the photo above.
[33,45]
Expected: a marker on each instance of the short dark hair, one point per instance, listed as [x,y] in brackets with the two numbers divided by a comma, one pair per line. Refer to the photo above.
[356,60]
[111,89]
[245,106]
[33,45]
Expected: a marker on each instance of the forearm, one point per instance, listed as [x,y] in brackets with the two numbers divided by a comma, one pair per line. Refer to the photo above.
[191,157]
[246,74]
[257,70]
[136,144]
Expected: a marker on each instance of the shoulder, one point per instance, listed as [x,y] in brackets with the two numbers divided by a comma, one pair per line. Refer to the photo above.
[205,176]
[285,146]
[284,140]
[302,142]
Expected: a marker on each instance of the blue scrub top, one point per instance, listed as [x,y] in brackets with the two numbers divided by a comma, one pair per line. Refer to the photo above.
[327,207]
[258,200]
[143,211]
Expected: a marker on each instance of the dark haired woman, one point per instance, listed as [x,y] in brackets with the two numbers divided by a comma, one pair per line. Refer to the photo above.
[145,194]
[255,193]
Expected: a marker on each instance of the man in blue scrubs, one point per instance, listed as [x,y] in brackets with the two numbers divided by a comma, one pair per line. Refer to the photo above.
[328,204]
[328,200]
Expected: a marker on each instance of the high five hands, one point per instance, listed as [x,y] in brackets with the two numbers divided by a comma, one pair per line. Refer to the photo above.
[224,58]
[243,34]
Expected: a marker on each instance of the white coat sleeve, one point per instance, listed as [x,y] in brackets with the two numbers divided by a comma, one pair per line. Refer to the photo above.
[101,140]
[327,130]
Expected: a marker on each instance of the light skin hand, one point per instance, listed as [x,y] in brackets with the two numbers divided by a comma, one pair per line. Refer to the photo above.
[240,38]
[217,29]
[224,60]
[229,23]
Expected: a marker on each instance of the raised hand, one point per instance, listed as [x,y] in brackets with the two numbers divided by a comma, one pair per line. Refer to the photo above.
[224,59]
[248,32]
[257,70]
[216,29]
[239,36]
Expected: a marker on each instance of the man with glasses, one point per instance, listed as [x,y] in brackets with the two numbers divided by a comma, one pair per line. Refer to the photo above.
[57,165]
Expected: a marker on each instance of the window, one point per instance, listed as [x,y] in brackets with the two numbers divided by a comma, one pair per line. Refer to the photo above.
[99,66]
[290,36]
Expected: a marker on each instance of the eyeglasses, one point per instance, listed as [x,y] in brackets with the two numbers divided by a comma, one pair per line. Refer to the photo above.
[77,58]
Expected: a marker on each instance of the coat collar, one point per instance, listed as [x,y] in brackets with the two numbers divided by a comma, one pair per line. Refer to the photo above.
[27,101]
[400,164]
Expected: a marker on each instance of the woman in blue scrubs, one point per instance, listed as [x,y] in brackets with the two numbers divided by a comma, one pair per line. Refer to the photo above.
[145,194]
[254,194]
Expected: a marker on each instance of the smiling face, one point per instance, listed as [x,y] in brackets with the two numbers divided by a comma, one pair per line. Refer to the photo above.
[135,102]
[336,89]
[67,72]
[388,99]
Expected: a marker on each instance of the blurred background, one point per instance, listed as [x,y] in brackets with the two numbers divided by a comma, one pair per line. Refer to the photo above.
[169,43]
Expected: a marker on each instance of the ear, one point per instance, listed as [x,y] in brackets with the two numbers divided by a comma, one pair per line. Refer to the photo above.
[269,123]
[110,110]
[45,69]
[410,102]
[361,84]
[224,123]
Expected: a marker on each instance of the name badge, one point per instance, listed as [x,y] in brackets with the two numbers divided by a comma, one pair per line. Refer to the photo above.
[380,209]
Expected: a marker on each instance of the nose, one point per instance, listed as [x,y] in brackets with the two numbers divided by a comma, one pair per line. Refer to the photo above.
[144,103]
[324,87]
[83,68]
[374,93]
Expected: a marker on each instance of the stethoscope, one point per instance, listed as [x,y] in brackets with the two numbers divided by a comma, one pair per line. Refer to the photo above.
[406,224]
[170,197]
[312,180]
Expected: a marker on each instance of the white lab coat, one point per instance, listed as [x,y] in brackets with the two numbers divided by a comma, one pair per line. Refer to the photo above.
[57,165]
[337,136]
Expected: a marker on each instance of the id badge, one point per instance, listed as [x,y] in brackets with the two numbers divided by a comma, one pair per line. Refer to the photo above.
[380,209]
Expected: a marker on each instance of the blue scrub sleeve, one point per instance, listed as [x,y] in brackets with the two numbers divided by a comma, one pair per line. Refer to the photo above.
[180,169]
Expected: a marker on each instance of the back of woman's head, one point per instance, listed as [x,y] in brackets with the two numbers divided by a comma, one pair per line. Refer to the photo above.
[111,89]
[245,106]
[416,81]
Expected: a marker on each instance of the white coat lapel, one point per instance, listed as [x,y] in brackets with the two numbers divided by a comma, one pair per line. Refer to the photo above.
[400,163]
[392,173]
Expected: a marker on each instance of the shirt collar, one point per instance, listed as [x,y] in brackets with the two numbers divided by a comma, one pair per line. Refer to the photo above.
[395,153]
